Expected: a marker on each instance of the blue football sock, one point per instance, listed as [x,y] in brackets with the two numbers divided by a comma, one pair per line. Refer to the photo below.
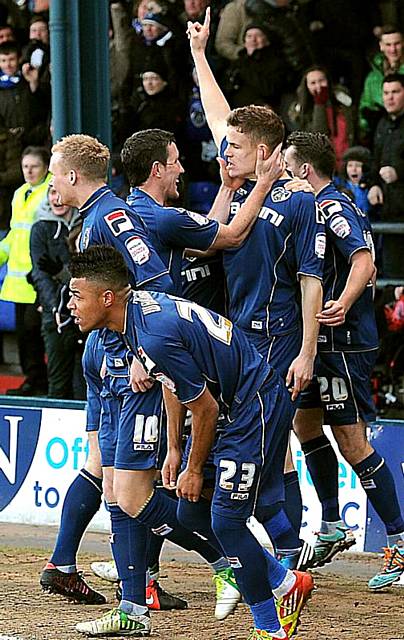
[129,543]
[322,463]
[293,500]
[160,515]
[279,528]
[265,616]
[378,482]
[276,571]
[81,503]
[245,555]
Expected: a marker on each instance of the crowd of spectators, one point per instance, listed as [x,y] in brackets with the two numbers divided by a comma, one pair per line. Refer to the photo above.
[333,66]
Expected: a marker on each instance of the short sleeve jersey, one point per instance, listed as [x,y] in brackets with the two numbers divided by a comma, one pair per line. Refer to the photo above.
[348,231]
[172,230]
[286,241]
[263,273]
[92,360]
[108,220]
[187,348]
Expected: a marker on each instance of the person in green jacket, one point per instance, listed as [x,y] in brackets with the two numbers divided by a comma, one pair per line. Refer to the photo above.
[389,60]
[14,249]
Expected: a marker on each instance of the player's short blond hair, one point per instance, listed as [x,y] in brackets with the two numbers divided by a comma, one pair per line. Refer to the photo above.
[85,154]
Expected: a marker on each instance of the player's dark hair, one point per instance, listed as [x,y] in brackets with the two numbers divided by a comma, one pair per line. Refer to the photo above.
[101,264]
[261,124]
[314,148]
[39,152]
[388,29]
[394,77]
[141,150]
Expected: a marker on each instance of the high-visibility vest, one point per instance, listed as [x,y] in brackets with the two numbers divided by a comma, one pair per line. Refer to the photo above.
[14,248]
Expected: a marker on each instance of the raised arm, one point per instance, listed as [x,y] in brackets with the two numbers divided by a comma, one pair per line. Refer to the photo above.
[214,103]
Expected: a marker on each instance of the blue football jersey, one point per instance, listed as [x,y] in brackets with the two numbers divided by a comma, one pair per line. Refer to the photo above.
[117,356]
[187,348]
[204,282]
[348,230]
[92,360]
[172,230]
[262,274]
[108,220]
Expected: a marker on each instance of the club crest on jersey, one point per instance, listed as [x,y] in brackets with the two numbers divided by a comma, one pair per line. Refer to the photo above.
[85,238]
[138,250]
[319,245]
[118,221]
[280,194]
[340,226]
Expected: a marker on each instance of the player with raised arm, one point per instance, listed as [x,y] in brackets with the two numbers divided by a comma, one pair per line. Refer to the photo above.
[274,277]
[200,356]
[348,343]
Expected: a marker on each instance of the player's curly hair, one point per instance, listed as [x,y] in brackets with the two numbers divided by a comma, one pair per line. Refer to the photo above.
[261,124]
[84,154]
[142,150]
[314,148]
[101,264]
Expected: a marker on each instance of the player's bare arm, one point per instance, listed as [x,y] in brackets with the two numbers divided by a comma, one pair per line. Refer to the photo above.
[175,423]
[205,412]
[214,103]
[361,273]
[301,369]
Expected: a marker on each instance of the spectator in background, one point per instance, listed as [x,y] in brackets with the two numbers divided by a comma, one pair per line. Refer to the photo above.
[14,249]
[36,55]
[260,74]
[390,59]
[50,257]
[231,29]
[10,172]
[155,104]
[354,176]
[387,177]
[23,107]
[6,33]
[321,107]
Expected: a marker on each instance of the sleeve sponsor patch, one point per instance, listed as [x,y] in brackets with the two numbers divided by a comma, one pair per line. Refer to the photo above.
[197,217]
[138,250]
[329,207]
[319,245]
[340,226]
[118,221]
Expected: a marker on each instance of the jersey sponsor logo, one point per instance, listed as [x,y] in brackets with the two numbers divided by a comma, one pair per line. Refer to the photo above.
[146,301]
[197,273]
[138,250]
[340,226]
[329,207]
[197,217]
[118,221]
[319,245]
[280,194]
[239,496]
[85,238]
[274,217]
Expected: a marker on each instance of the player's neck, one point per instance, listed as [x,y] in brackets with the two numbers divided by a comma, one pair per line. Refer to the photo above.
[154,192]
[85,191]
[319,183]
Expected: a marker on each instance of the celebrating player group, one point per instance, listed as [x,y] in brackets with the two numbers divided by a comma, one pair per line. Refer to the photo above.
[285,340]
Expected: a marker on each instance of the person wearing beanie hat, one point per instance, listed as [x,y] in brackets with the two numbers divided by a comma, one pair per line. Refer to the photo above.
[354,175]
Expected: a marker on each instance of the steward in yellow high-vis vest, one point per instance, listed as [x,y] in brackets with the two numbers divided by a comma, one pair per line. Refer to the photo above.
[14,248]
